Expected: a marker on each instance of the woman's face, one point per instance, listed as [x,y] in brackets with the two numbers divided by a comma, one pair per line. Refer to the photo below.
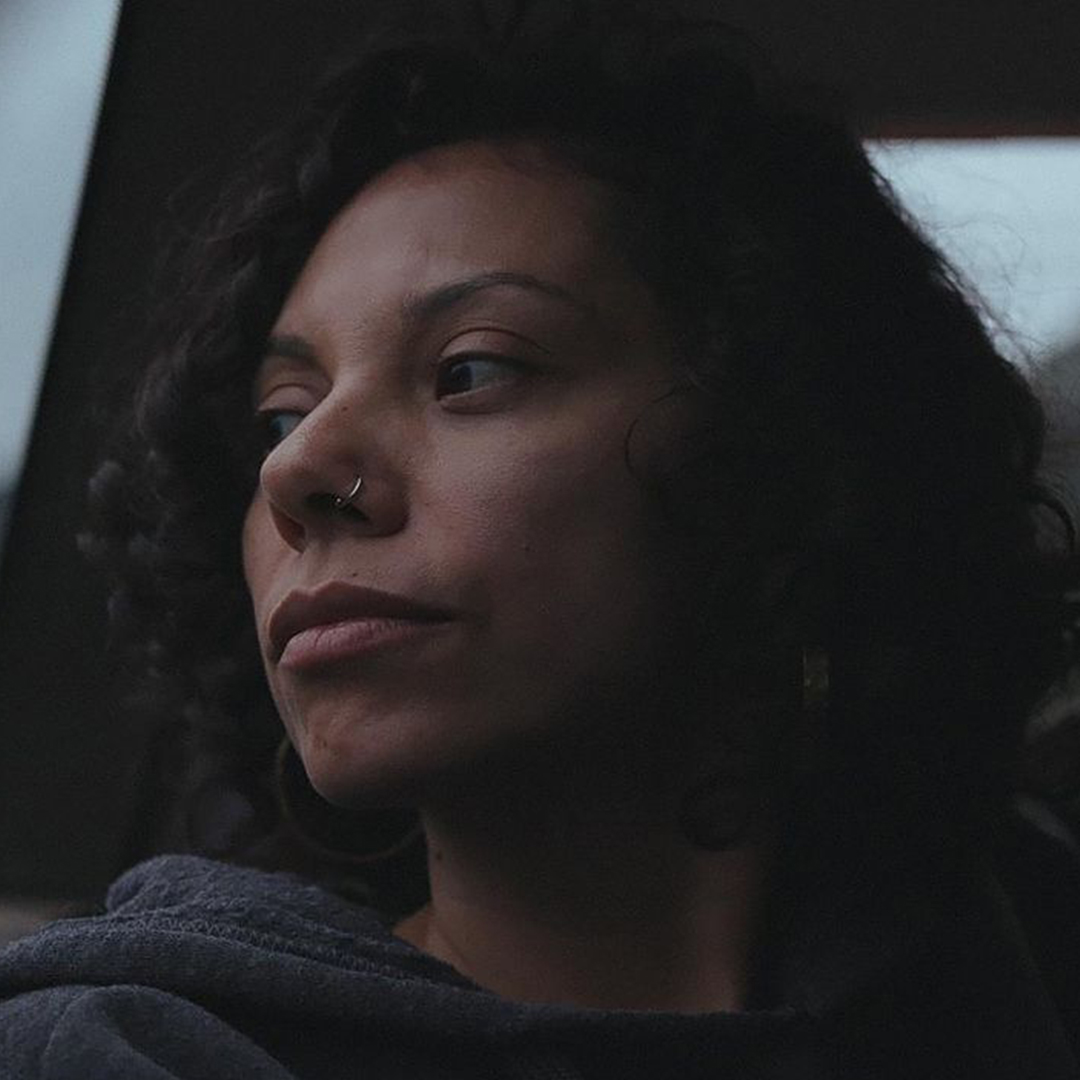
[463,340]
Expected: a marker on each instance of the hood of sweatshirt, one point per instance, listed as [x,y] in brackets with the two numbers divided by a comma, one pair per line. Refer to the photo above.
[311,980]
[282,959]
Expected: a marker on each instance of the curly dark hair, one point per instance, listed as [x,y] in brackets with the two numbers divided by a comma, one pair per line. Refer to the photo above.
[865,432]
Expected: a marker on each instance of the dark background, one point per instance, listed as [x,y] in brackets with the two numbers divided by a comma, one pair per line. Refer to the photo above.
[192,83]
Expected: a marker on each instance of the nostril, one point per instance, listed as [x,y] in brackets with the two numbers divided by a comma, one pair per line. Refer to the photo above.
[321,502]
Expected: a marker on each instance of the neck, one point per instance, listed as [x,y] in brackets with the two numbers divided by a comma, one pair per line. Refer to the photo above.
[589,906]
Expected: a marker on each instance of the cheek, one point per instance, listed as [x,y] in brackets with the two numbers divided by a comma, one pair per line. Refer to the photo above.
[563,543]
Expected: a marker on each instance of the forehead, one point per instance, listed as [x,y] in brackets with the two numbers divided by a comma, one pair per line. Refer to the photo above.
[456,211]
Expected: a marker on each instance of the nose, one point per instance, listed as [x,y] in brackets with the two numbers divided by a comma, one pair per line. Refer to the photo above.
[335,473]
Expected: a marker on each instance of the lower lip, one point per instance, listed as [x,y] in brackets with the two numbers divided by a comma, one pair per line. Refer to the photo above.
[322,646]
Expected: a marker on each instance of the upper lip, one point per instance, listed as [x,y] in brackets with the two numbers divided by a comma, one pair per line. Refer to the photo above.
[338,602]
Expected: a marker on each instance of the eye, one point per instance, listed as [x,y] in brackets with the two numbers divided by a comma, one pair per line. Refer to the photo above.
[465,373]
[274,425]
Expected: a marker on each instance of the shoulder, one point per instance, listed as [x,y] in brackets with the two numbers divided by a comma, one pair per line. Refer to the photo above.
[180,896]
[182,885]
[193,916]
[185,949]
[134,1032]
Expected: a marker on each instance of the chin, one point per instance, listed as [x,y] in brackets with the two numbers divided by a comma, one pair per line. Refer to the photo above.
[361,753]
[367,780]
[397,761]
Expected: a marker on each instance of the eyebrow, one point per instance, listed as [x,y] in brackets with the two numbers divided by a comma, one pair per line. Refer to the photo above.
[289,347]
[418,307]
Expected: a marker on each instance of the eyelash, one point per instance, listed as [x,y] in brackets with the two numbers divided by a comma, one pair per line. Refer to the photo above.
[266,437]
[448,364]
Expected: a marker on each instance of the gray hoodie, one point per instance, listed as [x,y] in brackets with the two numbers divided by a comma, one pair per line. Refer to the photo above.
[203,970]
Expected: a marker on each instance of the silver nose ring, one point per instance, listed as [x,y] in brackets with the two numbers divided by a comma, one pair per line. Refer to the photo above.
[341,501]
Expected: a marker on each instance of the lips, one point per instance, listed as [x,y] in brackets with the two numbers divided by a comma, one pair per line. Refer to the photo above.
[339,602]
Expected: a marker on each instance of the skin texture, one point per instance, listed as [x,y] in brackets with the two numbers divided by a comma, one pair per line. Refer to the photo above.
[545,730]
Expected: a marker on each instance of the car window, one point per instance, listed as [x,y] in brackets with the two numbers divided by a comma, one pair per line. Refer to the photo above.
[53,61]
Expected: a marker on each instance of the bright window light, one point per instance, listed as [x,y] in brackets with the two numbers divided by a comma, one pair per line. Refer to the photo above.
[1006,212]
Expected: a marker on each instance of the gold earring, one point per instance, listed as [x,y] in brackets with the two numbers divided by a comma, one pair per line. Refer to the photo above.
[330,832]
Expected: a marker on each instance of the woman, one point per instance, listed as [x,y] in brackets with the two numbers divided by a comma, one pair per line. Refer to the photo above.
[619,508]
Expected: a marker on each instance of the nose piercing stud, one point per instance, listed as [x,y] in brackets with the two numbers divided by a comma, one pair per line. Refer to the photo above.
[341,501]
